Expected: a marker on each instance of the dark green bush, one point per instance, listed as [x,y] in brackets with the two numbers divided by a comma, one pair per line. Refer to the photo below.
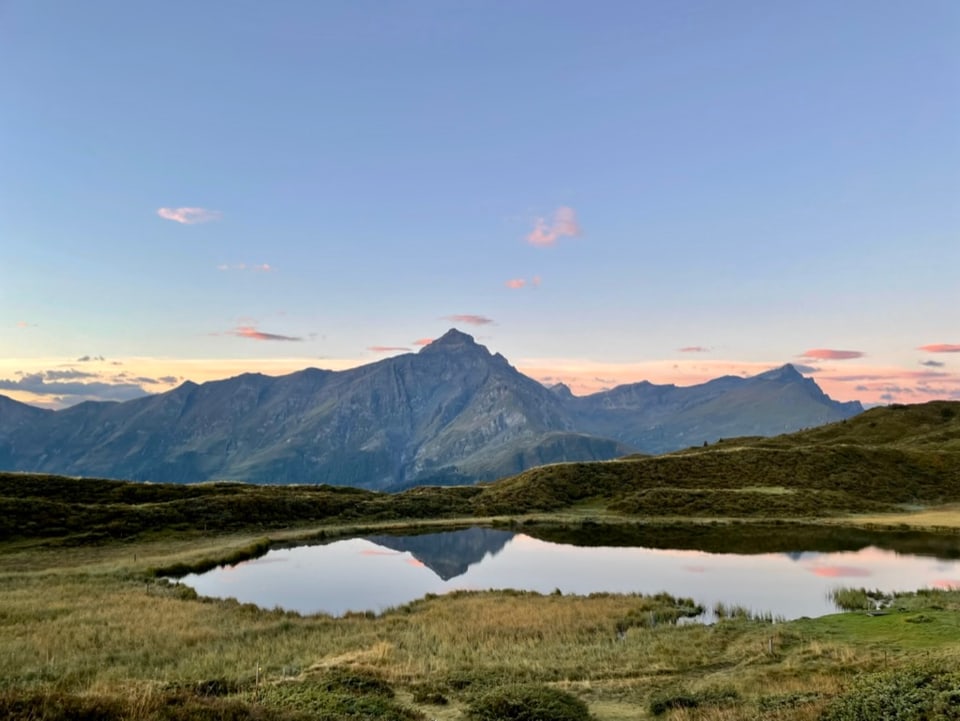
[430,694]
[689,699]
[913,694]
[528,703]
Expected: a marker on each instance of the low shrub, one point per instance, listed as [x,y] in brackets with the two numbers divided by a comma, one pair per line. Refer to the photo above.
[912,694]
[718,697]
[528,703]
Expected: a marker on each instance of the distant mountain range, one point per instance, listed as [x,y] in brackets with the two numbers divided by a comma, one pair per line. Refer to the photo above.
[451,413]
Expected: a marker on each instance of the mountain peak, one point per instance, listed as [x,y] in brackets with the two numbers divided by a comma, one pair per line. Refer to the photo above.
[452,340]
[786,372]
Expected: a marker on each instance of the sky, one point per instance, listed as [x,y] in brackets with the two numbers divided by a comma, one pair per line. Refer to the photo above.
[603,192]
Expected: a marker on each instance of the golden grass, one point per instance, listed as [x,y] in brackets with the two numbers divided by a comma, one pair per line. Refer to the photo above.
[947,516]
[89,620]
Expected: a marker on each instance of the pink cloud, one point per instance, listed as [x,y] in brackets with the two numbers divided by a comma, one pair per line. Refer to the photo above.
[386,348]
[469,319]
[693,349]
[830,354]
[422,341]
[189,216]
[22,324]
[946,584]
[515,283]
[252,333]
[535,281]
[840,571]
[564,224]
[941,348]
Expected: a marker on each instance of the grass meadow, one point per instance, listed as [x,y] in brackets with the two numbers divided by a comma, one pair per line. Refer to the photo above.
[90,631]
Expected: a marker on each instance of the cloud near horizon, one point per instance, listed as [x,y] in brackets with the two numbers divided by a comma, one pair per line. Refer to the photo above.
[67,383]
[422,341]
[189,216]
[387,348]
[246,331]
[693,349]
[831,354]
[469,319]
[941,348]
[564,224]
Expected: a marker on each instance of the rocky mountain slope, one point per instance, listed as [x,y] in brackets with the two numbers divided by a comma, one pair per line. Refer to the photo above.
[663,418]
[453,412]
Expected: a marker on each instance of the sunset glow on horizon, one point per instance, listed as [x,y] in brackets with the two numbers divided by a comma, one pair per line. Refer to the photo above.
[651,192]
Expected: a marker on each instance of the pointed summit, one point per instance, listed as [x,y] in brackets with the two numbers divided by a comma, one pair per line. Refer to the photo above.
[784,373]
[451,342]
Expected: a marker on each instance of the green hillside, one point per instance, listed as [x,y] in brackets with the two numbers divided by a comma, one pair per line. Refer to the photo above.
[884,460]
[888,459]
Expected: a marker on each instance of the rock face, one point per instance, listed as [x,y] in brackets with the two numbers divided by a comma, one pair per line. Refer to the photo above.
[451,413]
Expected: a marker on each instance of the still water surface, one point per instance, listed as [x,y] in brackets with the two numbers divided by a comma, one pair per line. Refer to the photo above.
[379,572]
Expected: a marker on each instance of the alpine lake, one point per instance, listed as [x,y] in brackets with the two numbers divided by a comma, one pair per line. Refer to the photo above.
[785,571]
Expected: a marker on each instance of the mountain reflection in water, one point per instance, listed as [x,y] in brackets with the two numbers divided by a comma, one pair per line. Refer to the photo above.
[448,554]
[789,574]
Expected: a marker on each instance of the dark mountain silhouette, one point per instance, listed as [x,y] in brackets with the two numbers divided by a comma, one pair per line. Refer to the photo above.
[451,553]
[451,413]
[662,418]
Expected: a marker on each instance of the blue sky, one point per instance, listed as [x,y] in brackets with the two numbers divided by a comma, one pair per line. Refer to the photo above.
[625,190]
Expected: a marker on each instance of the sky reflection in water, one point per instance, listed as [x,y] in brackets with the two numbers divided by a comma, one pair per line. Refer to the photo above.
[359,575]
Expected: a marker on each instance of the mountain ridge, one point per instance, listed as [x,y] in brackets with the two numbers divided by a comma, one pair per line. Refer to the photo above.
[451,413]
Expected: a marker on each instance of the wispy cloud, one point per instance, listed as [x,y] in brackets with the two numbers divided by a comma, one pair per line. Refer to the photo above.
[24,324]
[899,374]
[63,383]
[261,268]
[387,348]
[469,319]
[65,375]
[422,341]
[831,354]
[694,349]
[90,358]
[932,364]
[941,348]
[189,216]
[246,331]
[546,233]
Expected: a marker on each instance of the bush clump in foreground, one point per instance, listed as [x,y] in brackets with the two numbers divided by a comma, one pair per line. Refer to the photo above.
[528,703]
[717,698]
[913,694]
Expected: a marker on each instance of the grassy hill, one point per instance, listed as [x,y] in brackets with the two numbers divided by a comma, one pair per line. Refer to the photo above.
[885,460]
